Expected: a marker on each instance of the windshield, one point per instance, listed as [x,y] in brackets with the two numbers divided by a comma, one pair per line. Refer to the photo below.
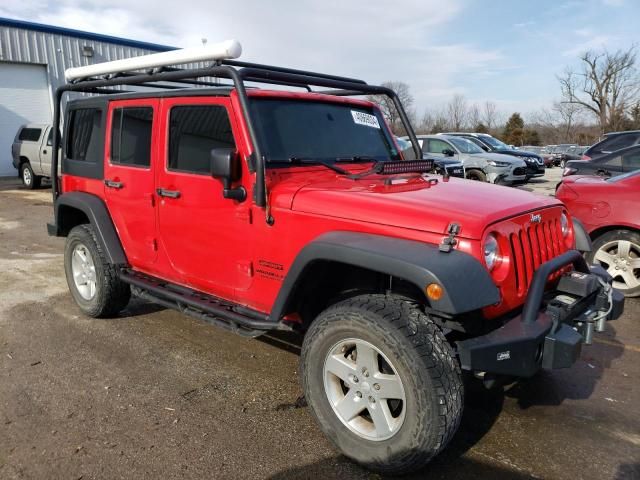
[289,129]
[465,146]
[495,143]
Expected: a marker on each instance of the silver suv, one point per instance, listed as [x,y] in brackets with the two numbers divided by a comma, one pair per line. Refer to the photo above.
[478,164]
[31,152]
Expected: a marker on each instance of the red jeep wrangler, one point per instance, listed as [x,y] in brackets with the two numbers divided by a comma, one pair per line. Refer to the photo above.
[259,210]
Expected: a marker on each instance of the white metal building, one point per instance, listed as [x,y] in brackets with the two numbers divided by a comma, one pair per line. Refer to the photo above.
[33,58]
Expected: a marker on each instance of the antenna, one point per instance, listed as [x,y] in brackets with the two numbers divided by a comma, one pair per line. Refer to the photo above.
[218,51]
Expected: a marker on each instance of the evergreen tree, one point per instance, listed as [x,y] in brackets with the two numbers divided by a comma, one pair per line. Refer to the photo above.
[514,130]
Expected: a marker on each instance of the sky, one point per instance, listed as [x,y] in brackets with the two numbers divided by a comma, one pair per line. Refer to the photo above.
[505,51]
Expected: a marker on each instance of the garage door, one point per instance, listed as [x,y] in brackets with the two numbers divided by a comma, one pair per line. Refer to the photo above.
[24,98]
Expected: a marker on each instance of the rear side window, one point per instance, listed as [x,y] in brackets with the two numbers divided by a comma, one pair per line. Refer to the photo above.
[438,146]
[131,136]
[631,160]
[615,161]
[30,134]
[616,143]
[194,132]
[84,135]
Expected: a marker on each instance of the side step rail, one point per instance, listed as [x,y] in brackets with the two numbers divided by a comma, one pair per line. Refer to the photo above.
[208,308]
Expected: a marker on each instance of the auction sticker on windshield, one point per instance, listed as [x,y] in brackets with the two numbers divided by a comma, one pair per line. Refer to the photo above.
[365,119]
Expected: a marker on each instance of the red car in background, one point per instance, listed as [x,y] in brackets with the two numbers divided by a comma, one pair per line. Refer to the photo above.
[609,209]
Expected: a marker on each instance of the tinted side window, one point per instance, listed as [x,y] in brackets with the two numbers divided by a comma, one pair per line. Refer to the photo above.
[437,146]
[631,161]
[84,135]
[131,136]
[616,143]
[193,132]
[615,161]
[30,134]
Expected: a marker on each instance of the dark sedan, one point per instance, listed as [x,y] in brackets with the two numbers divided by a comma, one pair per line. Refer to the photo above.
[611,165]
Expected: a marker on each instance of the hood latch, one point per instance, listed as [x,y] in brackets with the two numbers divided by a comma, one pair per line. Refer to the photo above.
[449,242]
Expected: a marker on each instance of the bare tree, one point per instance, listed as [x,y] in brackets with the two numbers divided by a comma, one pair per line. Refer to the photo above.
[474,117]
[606,85]
[458,111]
[388,108]
[490,115]
[567,113]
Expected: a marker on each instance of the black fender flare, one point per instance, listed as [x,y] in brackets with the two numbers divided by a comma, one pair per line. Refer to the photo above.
[98,214]
[466,282]
[583,241]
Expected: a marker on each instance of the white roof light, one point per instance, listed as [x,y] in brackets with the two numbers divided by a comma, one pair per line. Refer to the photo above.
[218,51]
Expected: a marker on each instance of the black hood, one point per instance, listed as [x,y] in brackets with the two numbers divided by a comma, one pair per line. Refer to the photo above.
[518,153]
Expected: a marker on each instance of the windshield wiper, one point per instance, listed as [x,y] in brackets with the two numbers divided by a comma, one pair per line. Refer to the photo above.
[317,161]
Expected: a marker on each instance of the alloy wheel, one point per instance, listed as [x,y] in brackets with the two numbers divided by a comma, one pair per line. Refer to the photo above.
[621,258]
[84,272]
[364,389]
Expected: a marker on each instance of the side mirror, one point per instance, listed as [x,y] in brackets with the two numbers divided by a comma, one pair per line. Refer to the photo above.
[448,152]
[225,166]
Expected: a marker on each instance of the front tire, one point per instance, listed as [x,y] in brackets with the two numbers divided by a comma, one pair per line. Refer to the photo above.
[93,282]
[382,382]
[618,251]
[29,179]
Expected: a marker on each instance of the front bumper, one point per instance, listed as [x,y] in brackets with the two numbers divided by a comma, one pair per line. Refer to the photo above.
[509,174]
[553,325]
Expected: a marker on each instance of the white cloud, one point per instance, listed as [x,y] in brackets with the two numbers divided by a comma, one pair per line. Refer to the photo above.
[376,40]
[596,42]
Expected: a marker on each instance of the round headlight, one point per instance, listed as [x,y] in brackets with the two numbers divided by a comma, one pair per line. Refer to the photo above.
[491,252]
[564,224]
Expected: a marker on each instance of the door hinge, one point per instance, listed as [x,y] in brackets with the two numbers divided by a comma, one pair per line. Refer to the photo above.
[154,245]
[246,268]
[152,197]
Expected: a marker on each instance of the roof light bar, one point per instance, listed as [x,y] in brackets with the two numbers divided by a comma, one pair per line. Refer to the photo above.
[219,51]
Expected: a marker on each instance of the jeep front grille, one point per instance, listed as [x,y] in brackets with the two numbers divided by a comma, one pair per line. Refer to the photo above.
[533,245]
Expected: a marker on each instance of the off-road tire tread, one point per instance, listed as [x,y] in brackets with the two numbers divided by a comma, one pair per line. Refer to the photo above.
[435,353]
[112,294]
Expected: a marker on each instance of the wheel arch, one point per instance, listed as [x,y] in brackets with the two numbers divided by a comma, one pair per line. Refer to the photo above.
[594,234]
[379,263]
[77,208]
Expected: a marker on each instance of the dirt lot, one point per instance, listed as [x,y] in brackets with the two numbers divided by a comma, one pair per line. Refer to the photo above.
[154,394]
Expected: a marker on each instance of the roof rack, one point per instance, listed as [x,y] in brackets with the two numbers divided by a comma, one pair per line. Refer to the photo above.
[155,71]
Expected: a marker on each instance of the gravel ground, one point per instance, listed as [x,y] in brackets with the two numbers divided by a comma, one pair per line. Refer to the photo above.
[154,394]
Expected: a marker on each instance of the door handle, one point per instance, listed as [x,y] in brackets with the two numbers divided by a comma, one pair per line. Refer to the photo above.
[168,193]
[113,184]
[44,151]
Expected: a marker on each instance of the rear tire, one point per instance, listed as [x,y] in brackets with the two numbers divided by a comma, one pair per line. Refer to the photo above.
[618,251]
[29,179]
[404,408]
[93,282]
[477,175]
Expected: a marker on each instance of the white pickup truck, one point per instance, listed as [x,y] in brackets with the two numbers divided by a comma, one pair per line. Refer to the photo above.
[31,152]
